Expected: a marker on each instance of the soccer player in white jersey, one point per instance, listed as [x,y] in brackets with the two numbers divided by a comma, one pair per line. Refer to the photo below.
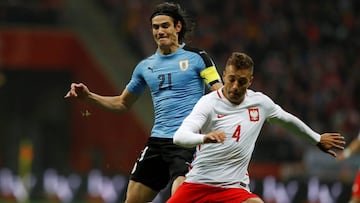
[353,148]
[224,125]
[176,75]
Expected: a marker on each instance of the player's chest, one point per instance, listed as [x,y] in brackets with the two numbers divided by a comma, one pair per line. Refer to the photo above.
[169,74]
[233,118]
[241,125]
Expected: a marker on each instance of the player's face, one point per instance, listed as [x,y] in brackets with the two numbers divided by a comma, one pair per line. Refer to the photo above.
[165,33]
[236,83]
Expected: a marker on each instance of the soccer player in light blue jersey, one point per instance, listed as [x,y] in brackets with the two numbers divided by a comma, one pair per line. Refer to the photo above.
[176,75]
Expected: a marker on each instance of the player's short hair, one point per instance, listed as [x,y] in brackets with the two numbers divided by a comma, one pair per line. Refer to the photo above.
[240,61]
[175,11]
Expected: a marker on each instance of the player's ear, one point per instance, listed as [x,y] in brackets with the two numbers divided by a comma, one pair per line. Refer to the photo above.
[178,26]
[224,73]
[251,80]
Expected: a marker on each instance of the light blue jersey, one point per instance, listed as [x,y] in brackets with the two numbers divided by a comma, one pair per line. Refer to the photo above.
[176,82]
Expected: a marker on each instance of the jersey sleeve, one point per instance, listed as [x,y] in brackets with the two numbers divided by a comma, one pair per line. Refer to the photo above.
[209,73]
[291,122]
[137,83]
[188,134]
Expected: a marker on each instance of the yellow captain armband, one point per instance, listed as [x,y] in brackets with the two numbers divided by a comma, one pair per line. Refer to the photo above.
[210,75]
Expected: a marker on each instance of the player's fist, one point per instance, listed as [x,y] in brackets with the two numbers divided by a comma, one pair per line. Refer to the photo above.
[77,90]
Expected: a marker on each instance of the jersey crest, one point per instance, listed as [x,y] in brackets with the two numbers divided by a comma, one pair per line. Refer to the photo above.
[184,65]
[254,114]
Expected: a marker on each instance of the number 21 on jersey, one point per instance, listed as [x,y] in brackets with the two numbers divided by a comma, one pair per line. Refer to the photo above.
[165,81]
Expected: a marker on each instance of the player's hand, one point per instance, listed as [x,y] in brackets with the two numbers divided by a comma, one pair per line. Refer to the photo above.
[330,141]
[77,90]
[215,137]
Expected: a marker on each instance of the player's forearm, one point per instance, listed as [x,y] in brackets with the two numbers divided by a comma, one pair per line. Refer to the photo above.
[186,138]
[295,125]
[111,103]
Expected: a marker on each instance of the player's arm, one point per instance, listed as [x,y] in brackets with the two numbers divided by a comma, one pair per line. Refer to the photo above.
[209,72]
[188,134]
[326,142]
[118,103]
[295,125]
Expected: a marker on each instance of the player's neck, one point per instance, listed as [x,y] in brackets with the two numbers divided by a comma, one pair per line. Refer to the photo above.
[166,50]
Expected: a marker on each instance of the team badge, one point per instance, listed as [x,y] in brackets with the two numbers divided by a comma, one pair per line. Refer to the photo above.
[254,114]
[184,65]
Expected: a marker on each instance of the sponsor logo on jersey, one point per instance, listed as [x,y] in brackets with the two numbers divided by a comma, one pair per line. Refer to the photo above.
[184,65]
[254,114]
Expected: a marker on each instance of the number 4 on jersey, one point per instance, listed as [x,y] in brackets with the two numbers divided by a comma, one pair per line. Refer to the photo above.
[236,134]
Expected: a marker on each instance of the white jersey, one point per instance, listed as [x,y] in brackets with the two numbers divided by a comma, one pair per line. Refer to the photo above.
[225,164]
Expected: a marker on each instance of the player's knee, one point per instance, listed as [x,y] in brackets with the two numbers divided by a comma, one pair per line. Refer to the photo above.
[176,183]
[131,198]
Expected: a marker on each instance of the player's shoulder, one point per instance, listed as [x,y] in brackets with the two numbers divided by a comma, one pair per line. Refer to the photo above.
[212,97]
[201,53]
[255,95]
[150,58]
[193,49]
[145,61]
[207,101]
[197,51]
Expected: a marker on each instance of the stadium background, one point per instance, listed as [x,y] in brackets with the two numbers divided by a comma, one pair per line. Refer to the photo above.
[306,57]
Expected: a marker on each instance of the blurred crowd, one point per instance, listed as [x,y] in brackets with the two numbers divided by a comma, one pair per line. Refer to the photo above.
[33,12]
[306,52]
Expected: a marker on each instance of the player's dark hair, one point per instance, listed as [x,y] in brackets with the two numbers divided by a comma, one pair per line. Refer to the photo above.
[175,11]
[240,61]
